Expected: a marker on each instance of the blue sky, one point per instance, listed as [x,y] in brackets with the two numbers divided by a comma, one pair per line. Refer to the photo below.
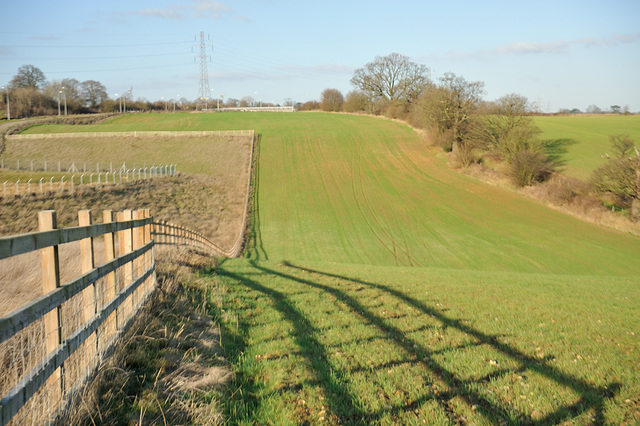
[559,54]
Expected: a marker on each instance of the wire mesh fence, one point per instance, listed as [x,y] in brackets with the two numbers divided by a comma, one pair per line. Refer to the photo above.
[60,166]
[79,182]
[50,347]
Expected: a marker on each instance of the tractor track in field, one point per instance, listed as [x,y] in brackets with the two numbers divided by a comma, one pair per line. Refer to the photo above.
[395,244]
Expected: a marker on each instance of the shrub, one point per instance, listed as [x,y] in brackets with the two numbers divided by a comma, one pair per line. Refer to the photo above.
[529,167]
[621,174]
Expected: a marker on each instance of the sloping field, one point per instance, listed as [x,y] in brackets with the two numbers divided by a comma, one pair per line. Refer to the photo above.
[350,189]
[586,138]
[384,287]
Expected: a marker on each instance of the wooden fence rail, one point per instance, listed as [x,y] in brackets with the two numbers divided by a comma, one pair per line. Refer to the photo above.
[135,134]
[50,347]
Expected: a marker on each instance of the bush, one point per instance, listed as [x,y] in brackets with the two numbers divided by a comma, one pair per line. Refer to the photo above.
[562,190]
[529,167]
[398,110]
[620,175]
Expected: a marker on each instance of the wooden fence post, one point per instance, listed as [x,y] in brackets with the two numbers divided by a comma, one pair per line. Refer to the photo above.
[110,279]
[149,257]
[50,281]
[87,264]
[125,242]
[138,262]
[89,299]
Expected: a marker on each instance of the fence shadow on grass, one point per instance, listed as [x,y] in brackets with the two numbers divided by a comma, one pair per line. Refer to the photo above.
[256,248]
[591,397]
[338,397]
[341,402]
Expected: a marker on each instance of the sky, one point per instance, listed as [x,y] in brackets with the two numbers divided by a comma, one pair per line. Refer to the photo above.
[559,54]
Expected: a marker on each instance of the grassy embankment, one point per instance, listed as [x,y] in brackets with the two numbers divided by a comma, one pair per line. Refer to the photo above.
[168,367]
[384,287]
[208,198]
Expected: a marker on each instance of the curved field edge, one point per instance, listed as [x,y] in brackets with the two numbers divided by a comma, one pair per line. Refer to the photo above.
[580,142]
[364,190]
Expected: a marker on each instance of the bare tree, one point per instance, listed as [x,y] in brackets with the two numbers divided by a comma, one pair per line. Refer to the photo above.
[392,78]
[355,101]
[449,108]
[331,100]
[93,93]
[620,175]
[28,77]
[71,89]
[509,129]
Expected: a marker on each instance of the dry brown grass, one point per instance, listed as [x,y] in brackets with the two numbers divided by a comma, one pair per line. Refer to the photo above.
[213,207]
[168,368]
[23,274]
[573,196]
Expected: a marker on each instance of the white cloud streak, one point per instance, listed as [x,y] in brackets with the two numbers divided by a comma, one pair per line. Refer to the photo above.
[203,9]
[556,47]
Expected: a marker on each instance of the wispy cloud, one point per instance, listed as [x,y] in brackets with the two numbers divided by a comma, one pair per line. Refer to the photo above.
[43,38]
[528,47]
[555,47]
[157,13]
[317,69]
[207,9]
[203,9]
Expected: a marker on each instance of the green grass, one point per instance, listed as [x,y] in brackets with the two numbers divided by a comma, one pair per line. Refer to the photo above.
[393,345]
[583,140]
[384,287]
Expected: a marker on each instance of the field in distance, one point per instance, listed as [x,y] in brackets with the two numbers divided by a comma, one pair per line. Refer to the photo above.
[583,140]
[383,287]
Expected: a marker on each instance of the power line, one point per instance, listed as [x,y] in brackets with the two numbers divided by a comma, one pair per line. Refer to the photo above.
[106,70]
[103,57]
[204,93]
[88,46]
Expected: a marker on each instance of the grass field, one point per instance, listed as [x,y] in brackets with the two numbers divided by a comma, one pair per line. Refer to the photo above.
[383,287]
[586,138]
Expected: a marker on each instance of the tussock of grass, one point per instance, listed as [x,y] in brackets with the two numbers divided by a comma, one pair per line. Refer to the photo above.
[168,368]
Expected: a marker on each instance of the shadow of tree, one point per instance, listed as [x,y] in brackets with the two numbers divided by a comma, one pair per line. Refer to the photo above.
[557,149]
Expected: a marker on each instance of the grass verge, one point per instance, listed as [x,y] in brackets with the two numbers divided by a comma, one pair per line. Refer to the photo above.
[168,368]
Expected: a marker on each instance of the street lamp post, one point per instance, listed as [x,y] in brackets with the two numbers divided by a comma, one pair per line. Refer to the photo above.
[8,106]
[59,102]
[125,100]
[64,94]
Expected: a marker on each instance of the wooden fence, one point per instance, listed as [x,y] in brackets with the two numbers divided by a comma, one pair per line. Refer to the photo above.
[50,347]
[135,134]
